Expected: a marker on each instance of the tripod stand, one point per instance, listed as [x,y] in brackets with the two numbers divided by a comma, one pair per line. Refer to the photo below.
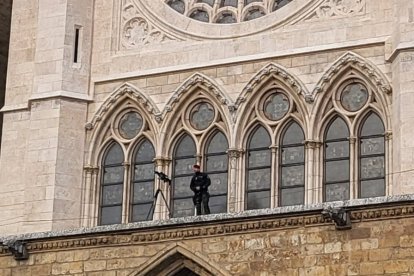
[164,178]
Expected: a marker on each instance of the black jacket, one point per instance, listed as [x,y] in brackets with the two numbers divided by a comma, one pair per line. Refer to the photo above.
[200,182]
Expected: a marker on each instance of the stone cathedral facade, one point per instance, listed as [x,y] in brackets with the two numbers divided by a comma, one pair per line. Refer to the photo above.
[300,111]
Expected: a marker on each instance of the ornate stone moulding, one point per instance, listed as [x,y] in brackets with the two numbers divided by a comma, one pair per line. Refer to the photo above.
[176,24]
[282,218]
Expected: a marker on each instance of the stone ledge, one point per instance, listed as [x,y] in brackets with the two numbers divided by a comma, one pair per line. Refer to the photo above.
[302,214]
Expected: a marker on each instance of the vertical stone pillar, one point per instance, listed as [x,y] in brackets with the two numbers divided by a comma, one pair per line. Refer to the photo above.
[313,190]
[274,177]
[353,170]
[402,59]
[162,208]
[234,180]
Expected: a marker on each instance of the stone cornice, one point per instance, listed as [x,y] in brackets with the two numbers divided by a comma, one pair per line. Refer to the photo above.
[214,225]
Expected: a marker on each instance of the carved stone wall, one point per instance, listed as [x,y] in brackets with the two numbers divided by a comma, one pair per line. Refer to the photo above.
[379,243]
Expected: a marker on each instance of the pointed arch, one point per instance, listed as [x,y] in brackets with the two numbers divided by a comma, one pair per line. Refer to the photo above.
[102,118]
[352,60]
[183,96]
[269,77]
[177,256]
[348,67]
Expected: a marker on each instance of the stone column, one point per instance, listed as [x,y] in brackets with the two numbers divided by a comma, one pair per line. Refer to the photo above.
[234,180]
[353,169]
[162,164]
[89,196]
[313,181]
[274,177]
[402,59]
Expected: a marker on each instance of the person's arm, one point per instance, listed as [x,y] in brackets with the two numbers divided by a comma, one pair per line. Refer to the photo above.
[207,181]
[192,185]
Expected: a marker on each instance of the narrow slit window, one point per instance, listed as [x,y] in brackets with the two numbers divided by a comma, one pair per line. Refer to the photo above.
[76,58]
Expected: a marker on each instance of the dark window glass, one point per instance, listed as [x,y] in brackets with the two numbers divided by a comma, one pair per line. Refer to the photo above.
[183,161]
[280,3]
[226,18]
[258,170]
[276,106]
[354,96]
[217,167]
[202,116]
[247,2]
[143,184]
[372,157]
[209,2]
[130,125]
[177,5]
[112,186]
[292,166]
[200,15]
[336,161]
[254,13]
[232,3]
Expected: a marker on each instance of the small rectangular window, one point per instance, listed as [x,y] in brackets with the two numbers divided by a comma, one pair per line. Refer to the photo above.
[77,45]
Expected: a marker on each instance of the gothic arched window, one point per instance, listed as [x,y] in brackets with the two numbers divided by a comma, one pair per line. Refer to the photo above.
[372,157]
[112,186]
[183,161]
[258,170]
[292,166]
[143,181]
[336,161]
[216,161]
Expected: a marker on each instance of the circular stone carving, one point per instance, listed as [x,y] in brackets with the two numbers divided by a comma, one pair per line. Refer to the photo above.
[130,125]
[354,97]
[276,106]
[201,116]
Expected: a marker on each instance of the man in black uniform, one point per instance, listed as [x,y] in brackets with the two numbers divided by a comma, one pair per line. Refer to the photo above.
[199,185]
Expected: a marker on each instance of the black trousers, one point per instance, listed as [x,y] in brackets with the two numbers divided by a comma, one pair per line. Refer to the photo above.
[201,198]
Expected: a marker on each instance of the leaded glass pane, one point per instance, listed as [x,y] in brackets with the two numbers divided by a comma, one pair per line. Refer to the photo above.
[337,130]
[280,3]
[259,158]
[209,2]
[184,166]
[253,14]
[216,163]
[200,15]
[140,212]
[293,175]
[226,18]
[232,3]
[258,179]
[260,139]
[337,150]
[218,144]
[276,106]
[293,155]
[371,146]
[186,147]
[293,196]
[177,5]
[247,2]
[202,115]
[111,215]
[354,97]
[218,204]
[145,152]
[258,200]
[143,192]
[372,167]
[218,184]
[113,174]
[112,194]
[337,171]
[130,125]
[144,172]
[372,126]
[337,191]
[372,188]
[183,207]
[114,155]
[293,135]
[182,186]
